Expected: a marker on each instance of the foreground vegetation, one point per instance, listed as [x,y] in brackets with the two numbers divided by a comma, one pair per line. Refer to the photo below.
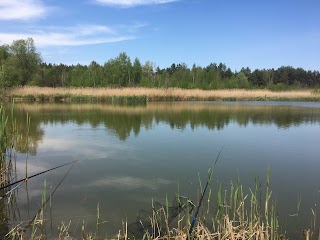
[130,95]
[228,213]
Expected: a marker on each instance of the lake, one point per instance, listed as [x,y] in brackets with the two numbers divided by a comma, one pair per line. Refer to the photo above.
[131,155]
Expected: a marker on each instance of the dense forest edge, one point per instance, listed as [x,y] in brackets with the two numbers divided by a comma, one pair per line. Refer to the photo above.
[22,66]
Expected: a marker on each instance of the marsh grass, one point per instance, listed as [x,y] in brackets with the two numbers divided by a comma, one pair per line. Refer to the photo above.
[8,137]
[230,214]
[131,95]
[233,215]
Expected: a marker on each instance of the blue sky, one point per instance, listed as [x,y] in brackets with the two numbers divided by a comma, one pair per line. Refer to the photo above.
[247,33]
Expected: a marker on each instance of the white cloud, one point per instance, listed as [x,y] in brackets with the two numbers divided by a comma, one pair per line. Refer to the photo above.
[33,168]
[127,182]
[22,9]
[68,36]
[92,29]
[132,3]
[101,150]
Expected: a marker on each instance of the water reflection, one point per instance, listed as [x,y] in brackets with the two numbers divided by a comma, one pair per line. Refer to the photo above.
[125,120]
[127,183]
[132,154]
[28,133]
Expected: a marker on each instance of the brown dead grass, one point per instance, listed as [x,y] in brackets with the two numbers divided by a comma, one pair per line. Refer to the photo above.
[154,94]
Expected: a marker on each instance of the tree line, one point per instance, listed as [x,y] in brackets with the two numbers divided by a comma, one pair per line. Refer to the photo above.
[21,64]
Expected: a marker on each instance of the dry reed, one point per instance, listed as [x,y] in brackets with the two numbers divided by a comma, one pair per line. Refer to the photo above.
[156,94]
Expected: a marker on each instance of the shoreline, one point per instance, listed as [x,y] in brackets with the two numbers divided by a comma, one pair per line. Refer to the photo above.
[143,95]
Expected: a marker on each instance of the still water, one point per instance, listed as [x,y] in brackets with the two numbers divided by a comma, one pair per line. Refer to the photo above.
[129,155]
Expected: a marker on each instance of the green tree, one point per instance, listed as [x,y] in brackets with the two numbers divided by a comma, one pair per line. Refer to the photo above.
[8,75]
[148,74]
[24,59]
[51,75]
[212,78]
[246,71]
[283,75]
[79,76]
[136,72]
[182,76]
[4,53]
[119,70]
[267,76]
[197,76]
[242,80]
[93,73]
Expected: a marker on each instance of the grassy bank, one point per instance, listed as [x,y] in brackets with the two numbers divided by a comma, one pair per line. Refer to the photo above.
[132,95]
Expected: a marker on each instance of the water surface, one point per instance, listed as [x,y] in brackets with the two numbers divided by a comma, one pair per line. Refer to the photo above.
[129,155]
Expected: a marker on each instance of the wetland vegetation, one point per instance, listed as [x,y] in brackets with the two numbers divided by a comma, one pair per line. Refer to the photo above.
[143,95]
[21,65]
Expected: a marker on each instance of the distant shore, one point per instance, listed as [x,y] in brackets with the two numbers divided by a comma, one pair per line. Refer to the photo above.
[46,94]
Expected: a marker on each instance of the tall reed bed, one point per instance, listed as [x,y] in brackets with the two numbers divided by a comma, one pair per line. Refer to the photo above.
[3,170]
[8,136]
[227,214]
[156,94]
[232,213]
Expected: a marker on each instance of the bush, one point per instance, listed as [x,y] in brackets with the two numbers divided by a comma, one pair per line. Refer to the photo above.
[278,87]
[316,90]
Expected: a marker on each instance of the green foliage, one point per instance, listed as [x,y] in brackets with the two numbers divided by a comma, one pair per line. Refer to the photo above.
[9,75]
[24,59]
[20,64]
[316,90]
[278,87]
[3,134]
[4,53]
[242,80]
[96,76]
[136,72]
[119,70]
[148,74]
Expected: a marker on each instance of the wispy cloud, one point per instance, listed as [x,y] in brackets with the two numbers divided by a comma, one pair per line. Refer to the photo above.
[68,36]
[22,10]
[127,182]
[101,150]
[131,3]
